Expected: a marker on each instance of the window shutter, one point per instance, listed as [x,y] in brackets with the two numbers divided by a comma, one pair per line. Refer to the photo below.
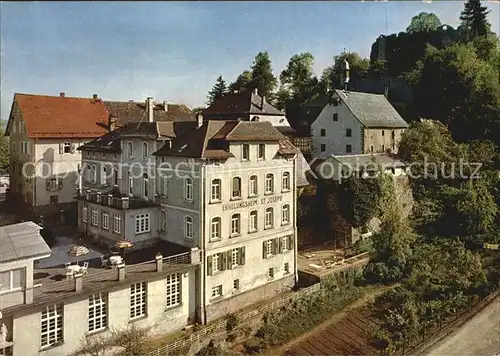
[73,148]
[209,265]
[223,257]
[290,242]
[280,245]
[275,246]
[61,148]
[242,255]
[264,249]
[59,183]
[229,259]
[47,184]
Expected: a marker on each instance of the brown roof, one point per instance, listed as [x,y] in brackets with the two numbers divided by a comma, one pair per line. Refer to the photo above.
[56,116]
[240,104]
[131,111]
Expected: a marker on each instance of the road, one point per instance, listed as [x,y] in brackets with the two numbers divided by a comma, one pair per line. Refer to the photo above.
[479,336]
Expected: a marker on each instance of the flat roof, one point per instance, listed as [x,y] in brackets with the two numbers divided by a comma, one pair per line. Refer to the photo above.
[22,241]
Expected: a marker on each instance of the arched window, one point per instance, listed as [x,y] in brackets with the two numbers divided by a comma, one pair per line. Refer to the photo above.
[130,149]
[145,180]
[236,188]
[235,224]
[215,190]
[188,227]
[188,189]
[163,221]
[285,214]
[145,150]
[269,219]
[215,229]
[252,186]
[285,182]
[130,184]
[269,183]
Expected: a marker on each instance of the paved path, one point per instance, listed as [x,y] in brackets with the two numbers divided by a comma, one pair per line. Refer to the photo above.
[479,336]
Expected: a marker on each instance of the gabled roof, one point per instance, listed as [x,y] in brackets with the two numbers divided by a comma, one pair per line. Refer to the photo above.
[242,103]
[22,241]
[131,111]
[372,110]
[60,117]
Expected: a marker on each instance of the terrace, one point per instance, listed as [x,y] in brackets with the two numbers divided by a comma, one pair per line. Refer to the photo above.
[114,199]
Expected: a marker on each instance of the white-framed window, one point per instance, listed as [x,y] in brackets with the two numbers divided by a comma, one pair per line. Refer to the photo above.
[98,312]
[138,297]
[164,185]
[52,184]
[67,147]
[173,289]
[235,224]
[285,214]
[117,222]
[215,230]
[245,152]
[105,220]
[188,189]
[84,213]
[142,223]
[285,182]
[145,150]
[12,280]
[216,262]
[95,217]
[269,183]
[252,186]
[235,257]
[130,184]
[130,149]
[163,220]
[188,227]
[216,190]
[145,185]
[285,243]
[262,151]
[236,188]
[269,247]
[51,331]
[216,291]
[269,220]
[252,223]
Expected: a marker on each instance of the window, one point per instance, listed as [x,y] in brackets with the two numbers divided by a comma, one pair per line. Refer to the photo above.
[285,182]
[348,133]
[188,189]
[103,155]
[12,280]
[285,243]
[130,149]
[216,183]
[117,223]
[53,199]
[104,175]
[138,295]
[286,268]
[270,272]
[6,351]
[84,213]
[145,150]
[269,218]
[216,262]
[262,151]
[164,185]
[336,102]
[142,223]
[253,221]
[285,214]
[235,224]
[163,221]
[236,191]
[145,187]
[95,217]
[173,287]
[383,148]
[52,325]
[323,147]
[115,177]
[335,117]
[93,174]
[217,291]
[269,183]
[98,313]
[245,152]
[215,230]
[188,227]
[67,147]
[235,257]
[130,184]
[52,184]
[383,133]
[252,187]
[393,135]
[323,133]
[105,220]
[371,148]
[348,148]
[236,284]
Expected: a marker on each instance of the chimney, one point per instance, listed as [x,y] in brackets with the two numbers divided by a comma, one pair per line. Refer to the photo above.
[121,271]
[112,123]
[199,118]
[159,262]
[62,95]
[78,279]
[94,96]
[150,107]
[195,255]
[165,105]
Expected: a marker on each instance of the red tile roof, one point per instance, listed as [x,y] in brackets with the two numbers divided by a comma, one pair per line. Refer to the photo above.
[62,117]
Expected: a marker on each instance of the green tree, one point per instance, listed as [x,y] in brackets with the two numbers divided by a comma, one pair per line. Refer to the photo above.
[263,78]
[242,82]
[424,22]
[332,75]
[298,75]
[4,152]
[474,19]
[218,91]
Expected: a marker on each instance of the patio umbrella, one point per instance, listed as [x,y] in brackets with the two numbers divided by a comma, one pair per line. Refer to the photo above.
[78,251]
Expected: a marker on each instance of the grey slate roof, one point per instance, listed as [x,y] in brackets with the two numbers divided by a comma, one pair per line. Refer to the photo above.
[131,111]
[372,110]
[240,104]
[21,241]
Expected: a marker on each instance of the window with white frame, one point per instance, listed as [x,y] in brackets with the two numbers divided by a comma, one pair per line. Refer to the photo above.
[173,289]
[105,220]
[51,332]
[188,227]
[235,224]
[188,189]
[145,185]
[216,262]
[145,150]
[285,182]
[95,217]
[215,231]
[163,221]
[217,291]
[52,184]
[252,186]
[138,296]
[216,190]
[285,243]
[84,213]
[269,247]
[269,220]
[130,149]
[98,312]
[142,223]
[269,183]
[236,188]
[130,183]
[12,280]
[262,151]
[235,257]
[67,147]
[285,214]
[117,222]
[252,221]
[245,152]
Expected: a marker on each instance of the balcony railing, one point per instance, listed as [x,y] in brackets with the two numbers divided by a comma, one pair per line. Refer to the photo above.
[114,202]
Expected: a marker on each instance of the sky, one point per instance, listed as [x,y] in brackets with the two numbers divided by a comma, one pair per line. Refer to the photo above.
[174,51]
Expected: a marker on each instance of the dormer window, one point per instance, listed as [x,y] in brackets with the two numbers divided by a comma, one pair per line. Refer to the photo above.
[245,154]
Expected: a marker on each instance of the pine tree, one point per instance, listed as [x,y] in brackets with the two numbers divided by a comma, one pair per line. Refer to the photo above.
[218,91]
[4,152]
[263,78]
[474,19]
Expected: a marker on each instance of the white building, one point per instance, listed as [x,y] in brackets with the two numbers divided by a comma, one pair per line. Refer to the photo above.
[356,123]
